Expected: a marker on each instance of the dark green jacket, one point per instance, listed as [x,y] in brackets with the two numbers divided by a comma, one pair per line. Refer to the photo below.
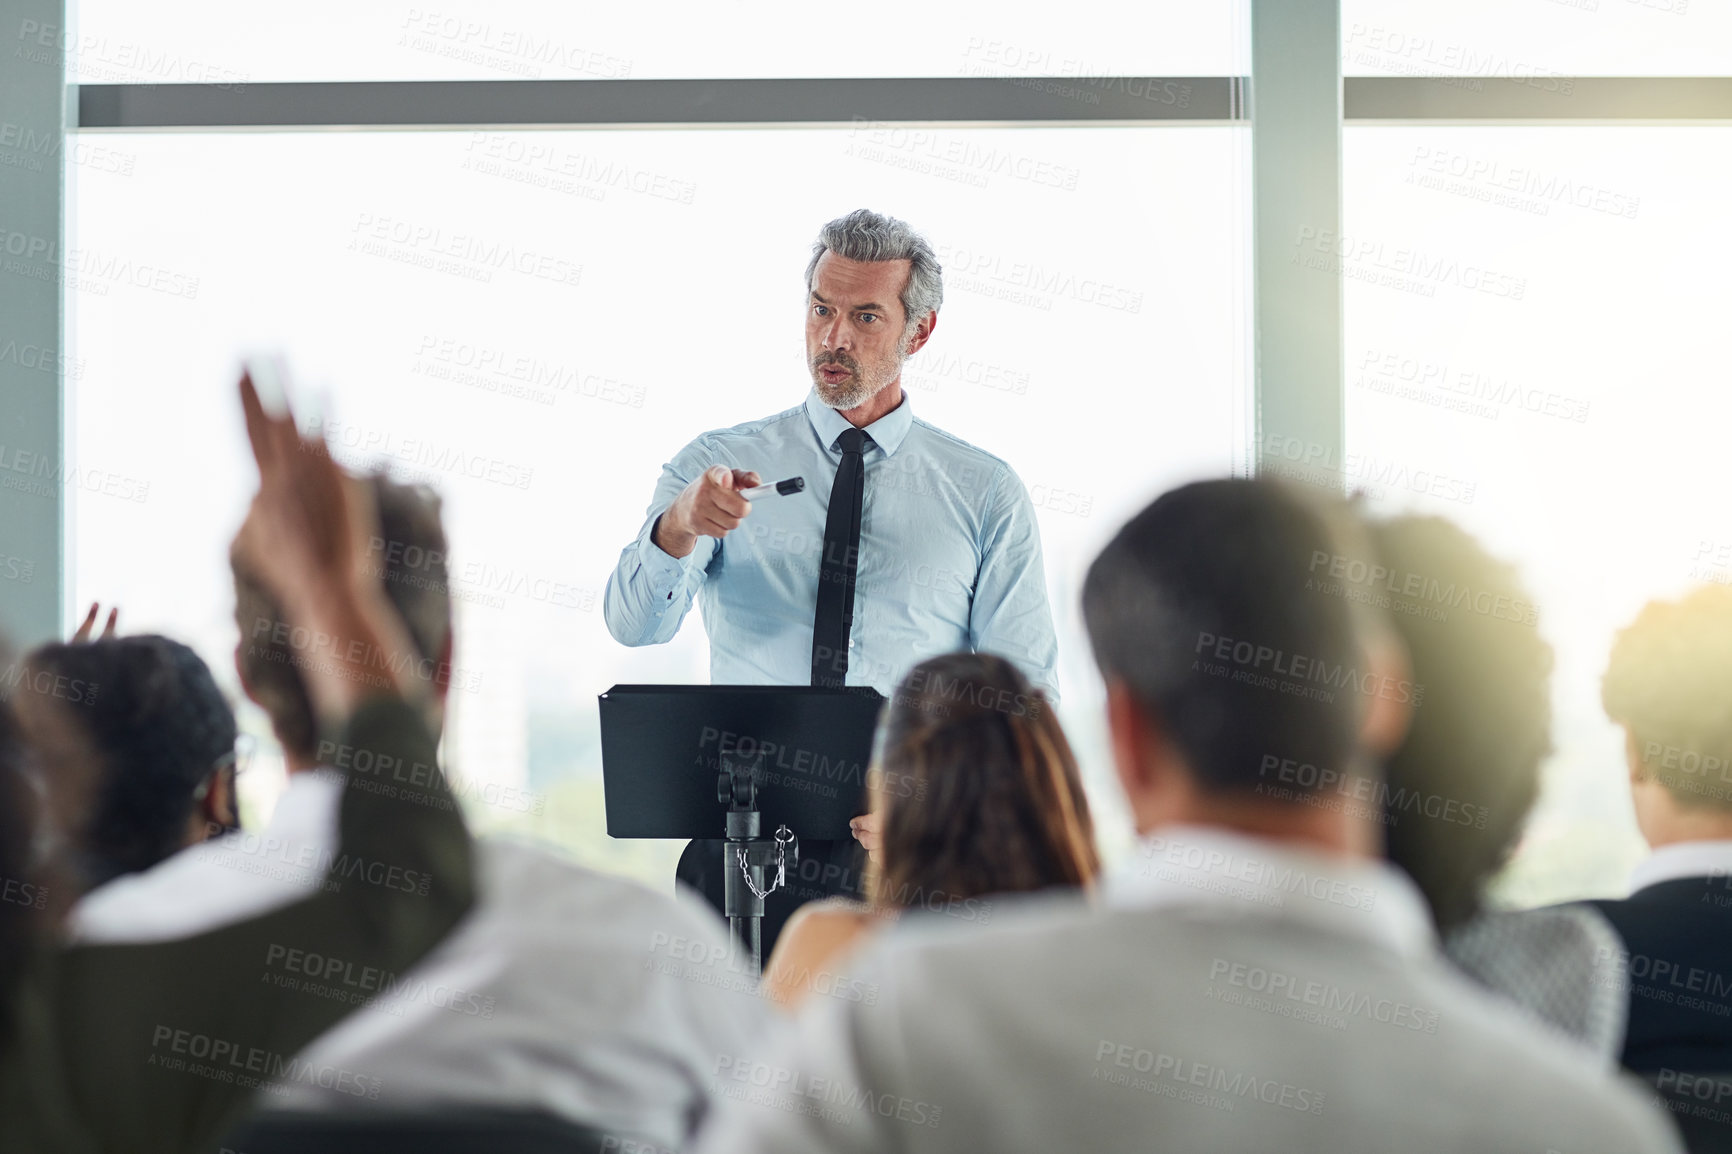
[156,1047]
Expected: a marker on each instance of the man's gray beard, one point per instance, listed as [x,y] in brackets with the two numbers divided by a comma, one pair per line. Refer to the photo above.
[858,393]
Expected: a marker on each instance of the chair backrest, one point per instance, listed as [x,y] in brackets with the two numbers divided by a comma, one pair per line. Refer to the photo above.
[441,1131]
[1700,1106]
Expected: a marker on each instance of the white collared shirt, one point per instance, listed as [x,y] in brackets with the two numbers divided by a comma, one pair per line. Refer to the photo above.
[949,556]
[1684,859]
[1208,865]
[1227,961]
[564,989]
[238,876]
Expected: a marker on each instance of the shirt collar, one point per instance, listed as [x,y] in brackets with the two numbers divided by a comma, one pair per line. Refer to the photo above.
[1190,865]
[887,432]
[1684,859]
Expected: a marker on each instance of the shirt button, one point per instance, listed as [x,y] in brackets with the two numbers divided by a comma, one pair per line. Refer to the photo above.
[850,643]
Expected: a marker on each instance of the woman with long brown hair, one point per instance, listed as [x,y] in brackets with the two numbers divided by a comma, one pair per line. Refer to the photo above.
[977,793]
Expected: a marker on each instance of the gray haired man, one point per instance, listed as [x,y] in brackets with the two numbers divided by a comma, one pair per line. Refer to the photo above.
[907,542]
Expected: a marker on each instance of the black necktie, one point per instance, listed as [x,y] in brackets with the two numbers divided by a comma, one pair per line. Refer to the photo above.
[835,616]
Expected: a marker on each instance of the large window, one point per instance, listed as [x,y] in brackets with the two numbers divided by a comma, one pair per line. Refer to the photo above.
[1532,316]
[535,321]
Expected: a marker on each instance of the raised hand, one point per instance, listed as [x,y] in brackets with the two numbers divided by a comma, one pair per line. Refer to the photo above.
[84,630]
[308,526]
[304,540]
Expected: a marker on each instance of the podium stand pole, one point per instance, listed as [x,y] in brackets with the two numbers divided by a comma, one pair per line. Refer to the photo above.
[745,856]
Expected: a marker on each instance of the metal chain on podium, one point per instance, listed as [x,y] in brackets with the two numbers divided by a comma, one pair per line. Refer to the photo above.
[784,835]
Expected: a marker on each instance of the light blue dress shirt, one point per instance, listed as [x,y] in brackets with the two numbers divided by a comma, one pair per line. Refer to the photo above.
[949,556]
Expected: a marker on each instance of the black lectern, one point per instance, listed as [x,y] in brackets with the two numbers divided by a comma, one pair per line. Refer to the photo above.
[684,761]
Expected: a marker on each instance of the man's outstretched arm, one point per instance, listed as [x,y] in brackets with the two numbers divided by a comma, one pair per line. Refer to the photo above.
[651,590]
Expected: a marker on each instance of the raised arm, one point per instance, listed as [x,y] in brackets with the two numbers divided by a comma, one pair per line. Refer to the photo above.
[1011,614]
[161,1043]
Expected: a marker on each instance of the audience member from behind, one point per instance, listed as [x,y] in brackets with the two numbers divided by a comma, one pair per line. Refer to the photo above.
[1669,685]
[120,1045]
[565,991]
[1459,786]
[977,793]
[1255,977]
[162,741]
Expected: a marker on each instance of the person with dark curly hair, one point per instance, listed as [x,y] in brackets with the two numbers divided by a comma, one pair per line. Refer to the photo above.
[1669,685]
[162,740]
[978,794]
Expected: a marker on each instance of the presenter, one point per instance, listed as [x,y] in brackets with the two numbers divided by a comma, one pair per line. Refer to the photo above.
[907,541]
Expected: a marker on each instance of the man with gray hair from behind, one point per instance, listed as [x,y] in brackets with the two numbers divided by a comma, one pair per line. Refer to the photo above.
[907,542]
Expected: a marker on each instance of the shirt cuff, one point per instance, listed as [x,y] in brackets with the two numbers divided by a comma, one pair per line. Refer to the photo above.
[665,571]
